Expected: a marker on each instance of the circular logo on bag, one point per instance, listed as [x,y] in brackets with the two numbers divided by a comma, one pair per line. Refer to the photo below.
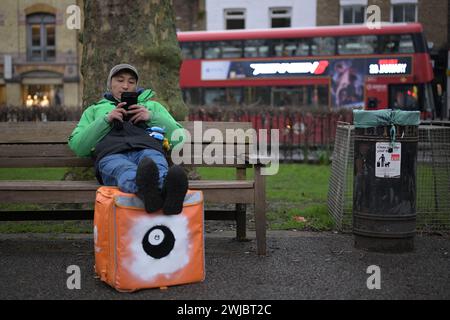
[158,242]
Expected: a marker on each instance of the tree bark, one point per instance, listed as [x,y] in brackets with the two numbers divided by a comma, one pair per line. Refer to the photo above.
[139,32]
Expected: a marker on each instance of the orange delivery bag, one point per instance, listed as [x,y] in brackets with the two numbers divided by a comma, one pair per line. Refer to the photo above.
[138,250]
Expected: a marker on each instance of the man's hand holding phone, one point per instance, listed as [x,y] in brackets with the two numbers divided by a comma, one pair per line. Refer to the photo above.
[135,112]
[118,113]
[138,113]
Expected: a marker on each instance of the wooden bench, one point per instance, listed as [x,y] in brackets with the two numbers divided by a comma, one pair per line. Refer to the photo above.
[44,144]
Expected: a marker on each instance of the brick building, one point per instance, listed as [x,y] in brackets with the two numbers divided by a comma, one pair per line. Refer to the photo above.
[190,15]
[39,55]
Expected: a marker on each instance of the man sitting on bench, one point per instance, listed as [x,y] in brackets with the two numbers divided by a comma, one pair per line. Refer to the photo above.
[128,144]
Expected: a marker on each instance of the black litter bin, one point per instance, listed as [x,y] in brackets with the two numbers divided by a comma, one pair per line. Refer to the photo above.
[384,189]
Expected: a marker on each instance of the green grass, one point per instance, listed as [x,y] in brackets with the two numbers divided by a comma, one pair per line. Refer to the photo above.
[35,226]
[433,201]
[297,190]
[293,183]
[32,174]
[313,217]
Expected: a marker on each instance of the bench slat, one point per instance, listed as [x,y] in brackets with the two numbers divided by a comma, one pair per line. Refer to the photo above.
[84,191]
[45,162]
[86,162]
[83,214]
[35,150]
[59,131]
[63,150]
[93,185]
[59,155]
[224,196]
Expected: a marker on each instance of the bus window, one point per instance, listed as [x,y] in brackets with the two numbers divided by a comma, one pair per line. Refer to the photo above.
[278,48]
[300,96]
[322,95]
[323,46]
[428,103]
[285,96]
[214,96]
[302,48]
[191,50]
[223,96]
[404,97]
[397,43]
[256,48]
[420,44]
[406,44]
[357,44]
[233,96]
[211,50]
[291,48]
[231,49]
[254,96]
[192,96]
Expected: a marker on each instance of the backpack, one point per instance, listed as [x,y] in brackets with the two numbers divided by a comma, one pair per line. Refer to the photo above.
[137,250]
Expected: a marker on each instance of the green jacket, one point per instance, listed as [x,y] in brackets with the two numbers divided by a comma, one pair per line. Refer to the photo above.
[93,125]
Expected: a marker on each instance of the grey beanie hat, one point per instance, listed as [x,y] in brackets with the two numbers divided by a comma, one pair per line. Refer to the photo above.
[116,69]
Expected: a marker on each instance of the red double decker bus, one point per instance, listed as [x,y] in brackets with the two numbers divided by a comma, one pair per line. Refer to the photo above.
[331,67]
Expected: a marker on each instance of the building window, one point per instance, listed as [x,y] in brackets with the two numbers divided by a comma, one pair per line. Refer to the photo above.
[234,19]
[280,17]
[41,37]
[43,95]
[352,14]
[404,12]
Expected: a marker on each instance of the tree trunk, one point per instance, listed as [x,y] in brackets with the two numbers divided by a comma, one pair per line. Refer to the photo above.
[139,32]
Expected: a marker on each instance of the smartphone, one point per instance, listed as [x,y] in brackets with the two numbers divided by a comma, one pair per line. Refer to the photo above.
[130,98]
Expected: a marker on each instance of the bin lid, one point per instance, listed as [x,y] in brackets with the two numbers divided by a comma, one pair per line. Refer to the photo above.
[386,117]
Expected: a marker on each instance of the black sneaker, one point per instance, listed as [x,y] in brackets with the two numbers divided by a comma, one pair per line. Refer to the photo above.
[147,180]
[174,190]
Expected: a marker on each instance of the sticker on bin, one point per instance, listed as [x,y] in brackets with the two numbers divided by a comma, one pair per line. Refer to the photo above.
[387,160]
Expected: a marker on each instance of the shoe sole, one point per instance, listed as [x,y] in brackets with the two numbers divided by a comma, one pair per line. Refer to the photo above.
[176,186]
[147,180]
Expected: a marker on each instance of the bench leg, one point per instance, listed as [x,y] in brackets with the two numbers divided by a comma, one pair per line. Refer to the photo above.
[260,211]
[241,210]
[241,227]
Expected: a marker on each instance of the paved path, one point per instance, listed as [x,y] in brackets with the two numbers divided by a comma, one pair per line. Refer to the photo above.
[299,265]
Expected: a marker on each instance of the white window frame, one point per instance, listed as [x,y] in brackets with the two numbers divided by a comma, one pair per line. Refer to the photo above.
[404,2]
[272,15]
[353,6]
[227,17]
